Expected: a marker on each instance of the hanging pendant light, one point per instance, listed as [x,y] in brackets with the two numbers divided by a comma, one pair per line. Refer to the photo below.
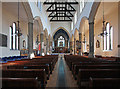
[84,40]
[37,38]
[103,28]
[18,28]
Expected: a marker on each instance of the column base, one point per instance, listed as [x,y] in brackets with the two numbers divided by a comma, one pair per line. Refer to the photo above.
[91,55]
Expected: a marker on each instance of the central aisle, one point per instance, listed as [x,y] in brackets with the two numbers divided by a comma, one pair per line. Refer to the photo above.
[61,82]
[62,76]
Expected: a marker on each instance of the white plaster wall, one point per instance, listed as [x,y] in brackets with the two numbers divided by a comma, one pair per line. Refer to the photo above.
[42,14]
[112,18]
[24,31]
[55,26]
[85,13]
[7,19]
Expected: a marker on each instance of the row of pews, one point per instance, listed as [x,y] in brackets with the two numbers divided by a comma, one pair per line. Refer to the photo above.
[28,73]
[94,73]
[112,58]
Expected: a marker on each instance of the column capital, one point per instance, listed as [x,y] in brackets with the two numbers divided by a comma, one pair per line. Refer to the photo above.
[80,33]
[42,33]
[91,22]
[30,22]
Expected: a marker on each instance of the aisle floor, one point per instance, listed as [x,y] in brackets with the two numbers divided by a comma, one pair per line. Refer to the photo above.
[61,76]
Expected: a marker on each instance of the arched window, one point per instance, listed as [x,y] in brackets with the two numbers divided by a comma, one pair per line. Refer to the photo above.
[108,38]
[61,41]
[111,38]
[13,37]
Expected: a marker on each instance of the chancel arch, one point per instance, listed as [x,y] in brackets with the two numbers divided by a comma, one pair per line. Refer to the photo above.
[61,41]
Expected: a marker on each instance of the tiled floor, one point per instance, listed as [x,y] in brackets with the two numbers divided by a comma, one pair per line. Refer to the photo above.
[62,76]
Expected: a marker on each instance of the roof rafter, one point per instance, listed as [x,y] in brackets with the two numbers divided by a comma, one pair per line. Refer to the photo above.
[60,11]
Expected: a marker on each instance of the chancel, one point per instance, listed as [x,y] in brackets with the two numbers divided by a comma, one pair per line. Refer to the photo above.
[60,44]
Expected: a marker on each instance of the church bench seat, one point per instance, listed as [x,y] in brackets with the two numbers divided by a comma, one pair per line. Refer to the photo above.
[118,59]
[20,83]
[85,74]
[46,67]
[98,66]
[26,73]
[51,62]
[42,63]
[93,63]
[79,59]
[104,83]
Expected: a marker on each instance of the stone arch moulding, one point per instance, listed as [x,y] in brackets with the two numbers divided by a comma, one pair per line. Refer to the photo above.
[40,23]
[76,30]
[94,11]
[28,11]
[59,29]
[46,32]
[81,23]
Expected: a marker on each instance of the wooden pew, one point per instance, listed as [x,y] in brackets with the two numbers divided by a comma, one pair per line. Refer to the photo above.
[50,62]
[42,63]
[104,83]
[46,67]
[26,73]
[85,74]
[20,83]
[93,63]
[98,66]
[80,59]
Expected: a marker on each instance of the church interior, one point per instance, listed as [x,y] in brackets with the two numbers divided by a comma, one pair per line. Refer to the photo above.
[60,44]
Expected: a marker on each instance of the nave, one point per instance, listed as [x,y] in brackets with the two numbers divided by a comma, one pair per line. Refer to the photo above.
[60,44]
[62,76]
[61,71]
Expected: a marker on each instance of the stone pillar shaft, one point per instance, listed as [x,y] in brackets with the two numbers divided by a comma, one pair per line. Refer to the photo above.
[30,38]
[41,41]
[91,39]
[74,45]
[46,46]
[80,40]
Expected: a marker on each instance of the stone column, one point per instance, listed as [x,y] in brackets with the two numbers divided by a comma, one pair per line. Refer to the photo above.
[70,47]
[30,39]
[51,44]
[91,39]
[46,45]
[80,43]
[74,45]
[41,41]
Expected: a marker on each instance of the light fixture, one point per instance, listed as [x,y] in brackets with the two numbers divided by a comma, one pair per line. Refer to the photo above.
[103,28]
[37,38]
[18,32]
[32,55]
[84,40]
[43,54]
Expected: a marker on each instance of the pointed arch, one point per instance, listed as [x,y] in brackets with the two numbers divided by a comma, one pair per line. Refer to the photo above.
[63,29]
